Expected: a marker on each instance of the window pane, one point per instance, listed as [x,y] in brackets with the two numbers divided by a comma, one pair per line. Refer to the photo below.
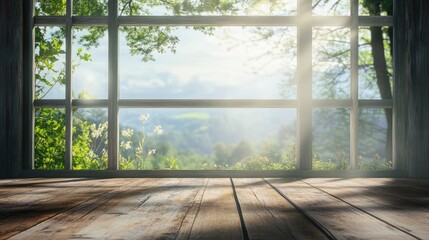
[376,8]
[193,139]
[331,7]
[222,63]
[375,52]
[90,7]
[375,139]
[90,139]
[331,139]
[331,63]
[49,138]
[50,7]
[49,68]
[90,55]
[207,7]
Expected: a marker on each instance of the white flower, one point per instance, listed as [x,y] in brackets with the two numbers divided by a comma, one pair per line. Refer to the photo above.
[127,132]
[100,131]
[158,130]
[126,145]
[139,151]
[144,118]
[151,152]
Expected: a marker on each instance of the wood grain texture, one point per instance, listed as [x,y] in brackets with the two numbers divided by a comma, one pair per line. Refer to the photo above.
[143,210]
[267,215]
[10,87]
[342,220]
[398,206]
[417,87]
[201,208]
[23,211]
[217,216]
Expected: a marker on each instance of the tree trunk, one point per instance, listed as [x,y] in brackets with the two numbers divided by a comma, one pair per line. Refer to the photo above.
[382,75]
[383,82]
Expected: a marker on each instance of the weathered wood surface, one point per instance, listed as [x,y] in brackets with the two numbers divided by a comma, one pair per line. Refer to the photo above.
[217,216]
[401,206]
[268,216]
[417,86]
[25,210]
[341,219]
[10,86]
[143,209]
[201,208]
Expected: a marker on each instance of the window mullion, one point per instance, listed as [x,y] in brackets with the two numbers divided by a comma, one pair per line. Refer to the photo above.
[354,65]
[113,127]
[68,165]
[304,83]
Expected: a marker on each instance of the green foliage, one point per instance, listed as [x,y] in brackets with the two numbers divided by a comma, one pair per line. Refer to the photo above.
[375,163]
[89,141]
[341,163]
[140,150]
[172,163]
[49,139]
[148,40]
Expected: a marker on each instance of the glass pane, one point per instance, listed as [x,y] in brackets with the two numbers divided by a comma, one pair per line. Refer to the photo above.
[194,139]
[376,8]
[50,7]
[49,54]
[331,7]
[375,53]
[207,7]
[90,57]
[90,7]
[331,139]
[375,139]
[331,63]
[49,138]
[89,139]
[221,62]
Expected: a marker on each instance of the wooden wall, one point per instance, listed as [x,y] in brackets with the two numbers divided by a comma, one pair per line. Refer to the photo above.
[417,89]
[10,86]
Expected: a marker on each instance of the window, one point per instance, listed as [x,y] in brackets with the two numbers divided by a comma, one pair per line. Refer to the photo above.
[208,85]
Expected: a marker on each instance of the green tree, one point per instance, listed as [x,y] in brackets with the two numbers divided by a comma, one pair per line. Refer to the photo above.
[89,152]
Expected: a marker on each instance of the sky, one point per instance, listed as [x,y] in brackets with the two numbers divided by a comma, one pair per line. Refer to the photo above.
[225,65]
[231,63]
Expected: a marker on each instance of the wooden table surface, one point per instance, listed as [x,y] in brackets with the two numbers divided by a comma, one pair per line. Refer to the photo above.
[214,208]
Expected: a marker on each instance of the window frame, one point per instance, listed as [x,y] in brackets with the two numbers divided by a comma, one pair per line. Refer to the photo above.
[304,21]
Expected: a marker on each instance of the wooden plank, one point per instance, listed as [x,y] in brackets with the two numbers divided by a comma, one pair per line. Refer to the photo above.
[217,216]
[341,219]
[145,211]
[10,87]
[157,213]
[18,213]
[417,87]
[65,224]
[410,192]
[390,207]
[32,187]
[267,215]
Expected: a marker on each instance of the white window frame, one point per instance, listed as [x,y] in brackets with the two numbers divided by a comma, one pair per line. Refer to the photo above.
[304,103]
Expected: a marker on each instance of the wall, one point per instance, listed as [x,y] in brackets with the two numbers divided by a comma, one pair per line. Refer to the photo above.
[417,90]
[10,86]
